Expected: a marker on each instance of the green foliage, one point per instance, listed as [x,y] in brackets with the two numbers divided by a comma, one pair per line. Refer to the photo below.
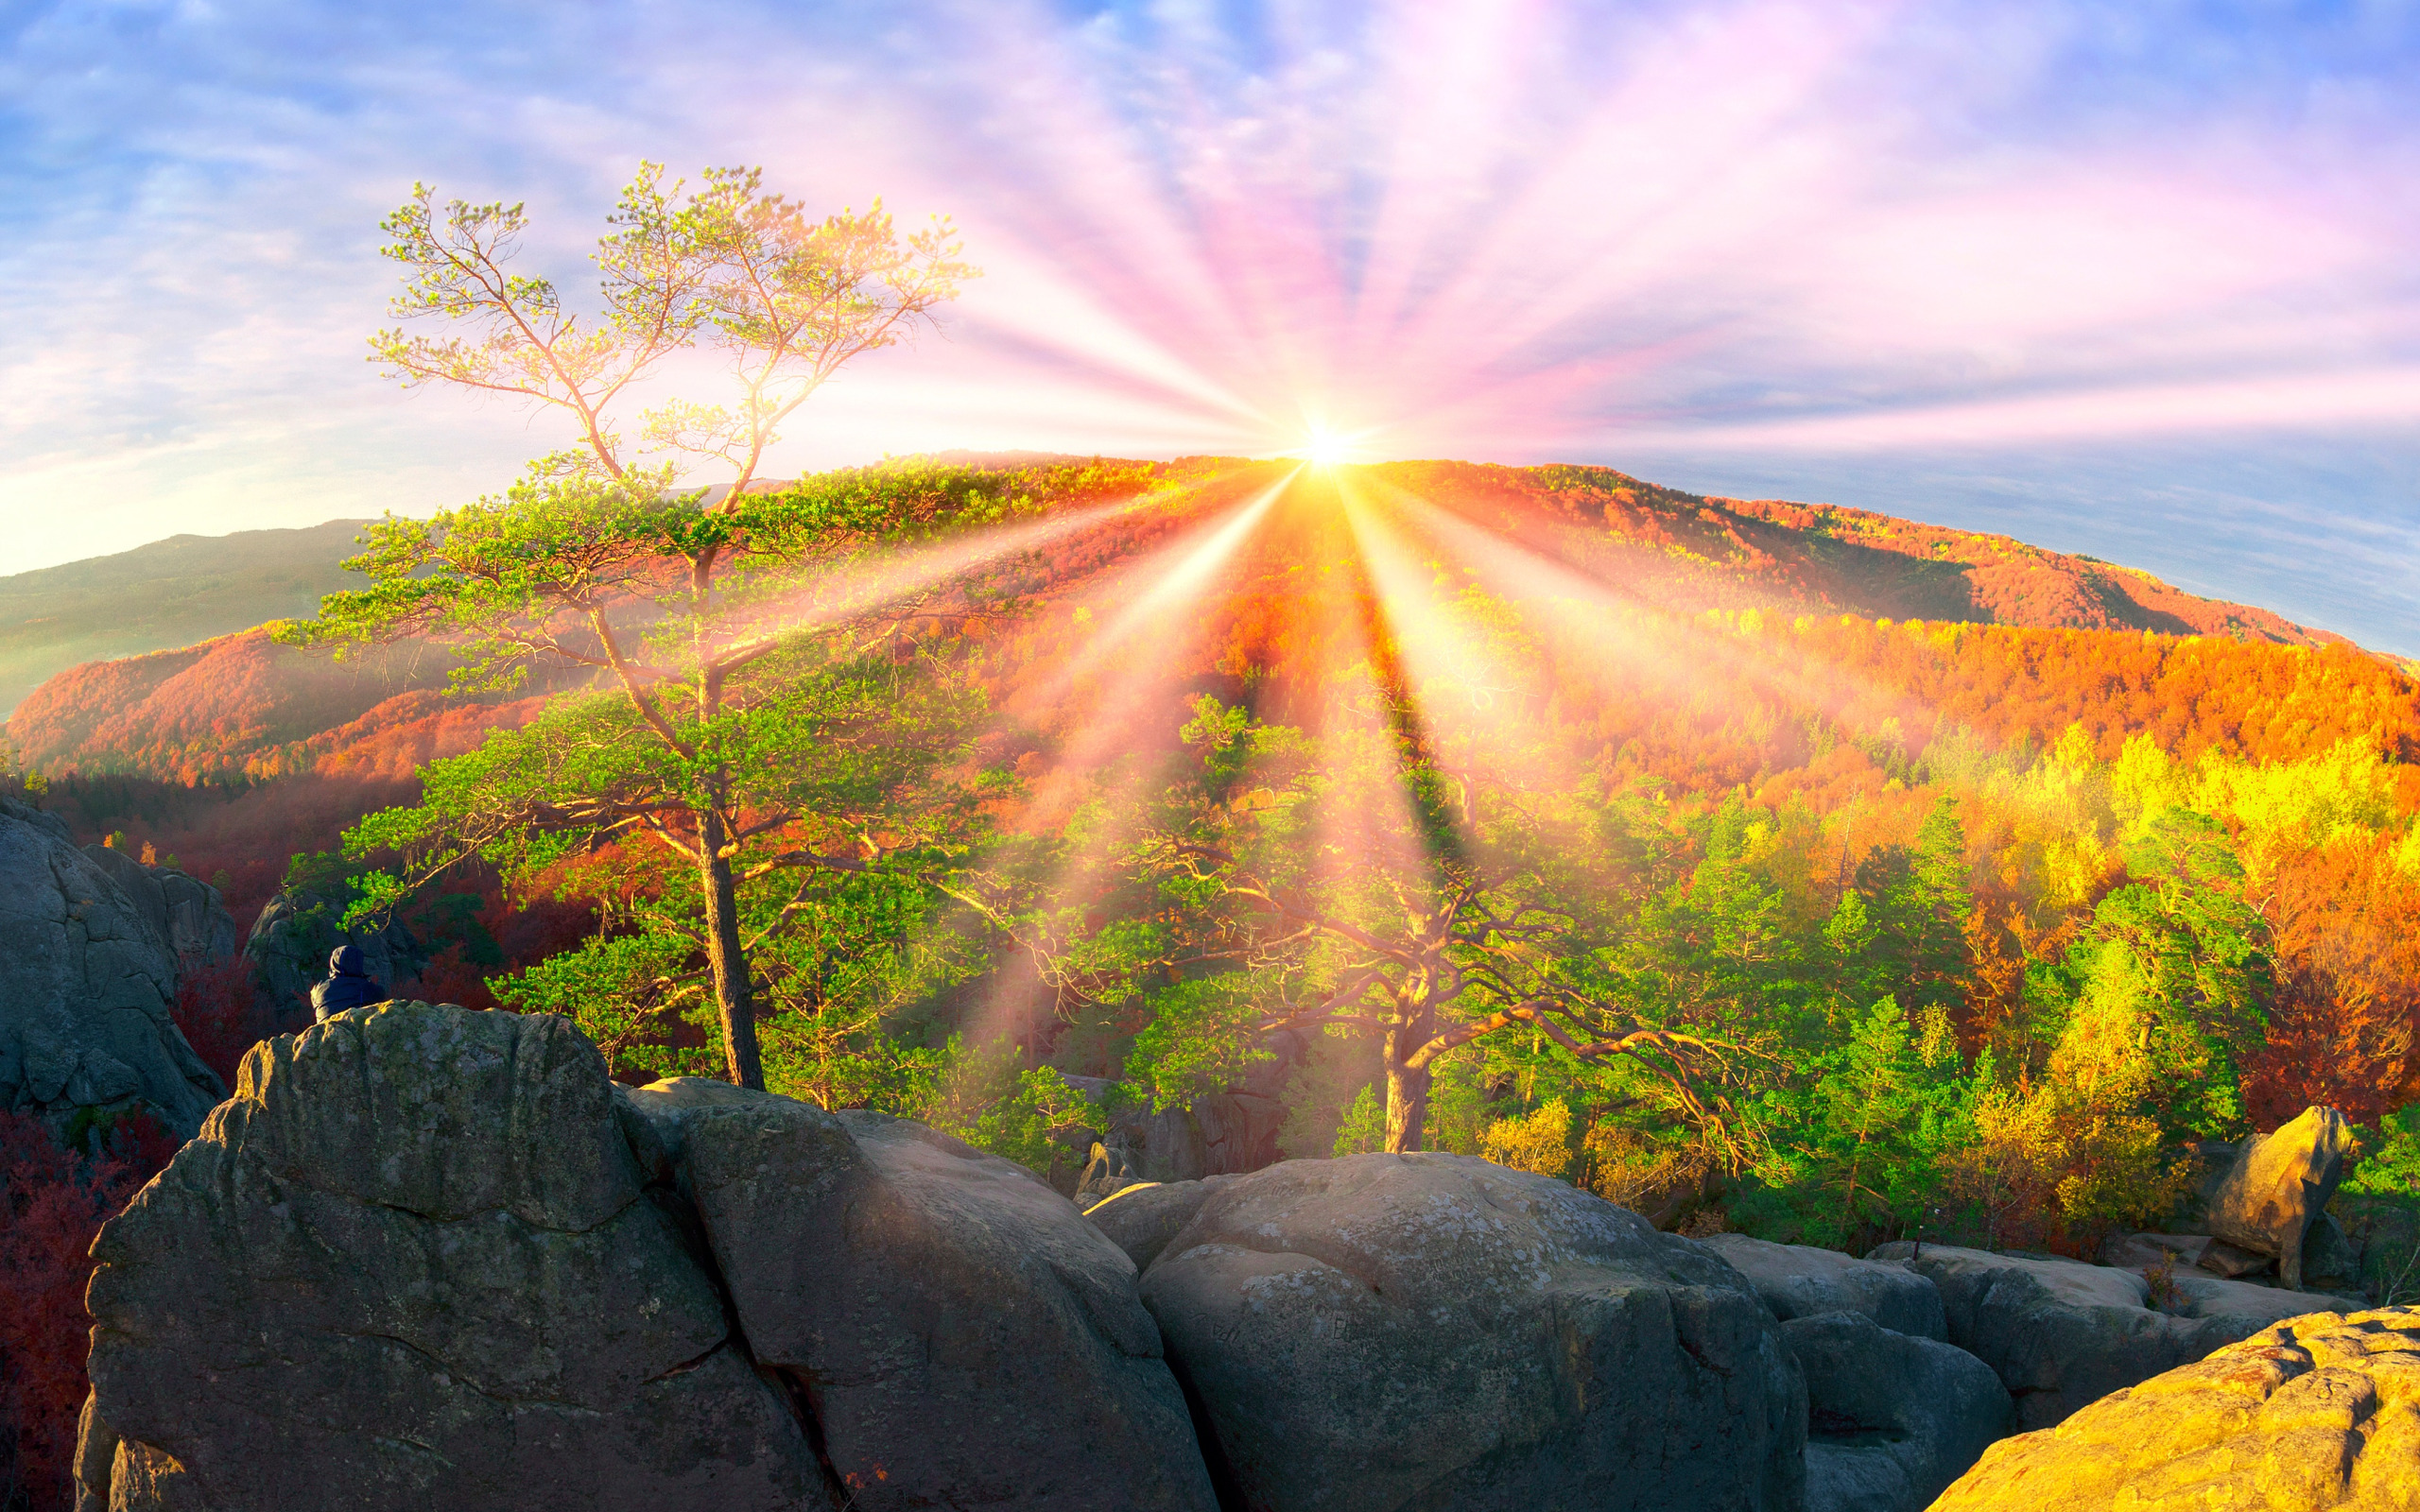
[1363,1131]
[2390,1163]
[988,1097]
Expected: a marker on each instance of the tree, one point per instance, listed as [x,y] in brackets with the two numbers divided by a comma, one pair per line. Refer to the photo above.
[1291,892]
[684,608]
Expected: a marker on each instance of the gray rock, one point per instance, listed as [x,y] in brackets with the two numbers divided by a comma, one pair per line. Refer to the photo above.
[411,1264]
[1108,1170]
[2139,1251]
[2278,1185]
[185,911]
[946,1309]
[95,1452]
[288,948]
[2060,1334]
[1797,1280]
[1435,1331]
[86,987]
[1892,1419]
[1143,1218]
[2331,1261]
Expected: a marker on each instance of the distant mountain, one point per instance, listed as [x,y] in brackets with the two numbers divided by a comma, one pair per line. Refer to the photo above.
[170,593]
[220,705]
[1690,551]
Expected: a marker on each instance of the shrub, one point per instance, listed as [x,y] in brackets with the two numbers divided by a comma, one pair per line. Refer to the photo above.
[53,1201]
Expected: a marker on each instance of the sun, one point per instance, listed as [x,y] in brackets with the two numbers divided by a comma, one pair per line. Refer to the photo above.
[1325,448]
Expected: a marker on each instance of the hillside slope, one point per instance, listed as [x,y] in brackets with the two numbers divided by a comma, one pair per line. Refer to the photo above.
[1693,552]
[170,593]
[240,706]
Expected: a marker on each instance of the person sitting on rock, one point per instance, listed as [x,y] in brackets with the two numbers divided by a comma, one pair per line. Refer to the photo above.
[348,986]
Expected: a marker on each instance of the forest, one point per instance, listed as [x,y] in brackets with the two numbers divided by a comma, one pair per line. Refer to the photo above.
[1541,814]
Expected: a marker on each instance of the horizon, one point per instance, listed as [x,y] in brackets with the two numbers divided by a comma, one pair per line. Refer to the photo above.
[2131,288]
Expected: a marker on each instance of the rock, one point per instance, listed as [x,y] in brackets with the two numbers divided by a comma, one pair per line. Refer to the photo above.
[2137,1252]
[1223,1133]
[2223,1259]
[95,1452]
[185,911]
[2207,1297]
[2060,1334]
[1108,1170]
[1797,1280]
[943,1309]
[1143,1218]
[1435,1331]
[2323,1410]
[411,1264]
[2278,1185]
[1892,1419]
[2330,1261]
[289,946]
[86,988]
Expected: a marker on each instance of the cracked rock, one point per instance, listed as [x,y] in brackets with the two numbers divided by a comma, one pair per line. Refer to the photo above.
[945,1311]
[1434,1331]
[86,984]
[409,1264]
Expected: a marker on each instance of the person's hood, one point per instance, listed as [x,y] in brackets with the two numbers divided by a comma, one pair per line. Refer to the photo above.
[345,960]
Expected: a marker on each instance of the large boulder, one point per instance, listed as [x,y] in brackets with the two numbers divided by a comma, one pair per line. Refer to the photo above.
[2061,1334]
[410,1263]
[1891,1418]
[290,945]
[86,988]
[183,911]
[2323,1410]
[945,1309]
[1797,1280]
[1435,1331]
[1142,1218]
[2278,1185]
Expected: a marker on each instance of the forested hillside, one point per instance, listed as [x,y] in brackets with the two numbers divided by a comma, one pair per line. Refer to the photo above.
[1804,869]
[170,594]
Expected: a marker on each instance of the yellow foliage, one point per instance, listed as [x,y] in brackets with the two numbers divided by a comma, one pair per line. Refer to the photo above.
[2346,788]
[1540,1142]
[1629,1172]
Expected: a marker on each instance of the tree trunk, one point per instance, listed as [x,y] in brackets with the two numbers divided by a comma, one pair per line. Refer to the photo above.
[728,958]
[1406,1101]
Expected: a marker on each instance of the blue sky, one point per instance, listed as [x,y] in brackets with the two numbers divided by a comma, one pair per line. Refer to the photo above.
[2133,280]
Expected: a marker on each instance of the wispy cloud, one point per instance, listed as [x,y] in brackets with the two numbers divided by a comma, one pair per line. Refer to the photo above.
[2050,268]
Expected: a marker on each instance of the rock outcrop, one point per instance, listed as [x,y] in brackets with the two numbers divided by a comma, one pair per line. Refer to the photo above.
[183,911]
[1434,1331]
[1223,1133]
[1797,1280]
[2321,1411]
[427,1257]
[1142,1219]
[2061,1334]
[2278,1186]
[288,948]
[929,1298]
[1891,1418]
[412,1264]
[86,985]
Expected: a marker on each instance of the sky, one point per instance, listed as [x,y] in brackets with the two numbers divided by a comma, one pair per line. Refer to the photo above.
[2136,280]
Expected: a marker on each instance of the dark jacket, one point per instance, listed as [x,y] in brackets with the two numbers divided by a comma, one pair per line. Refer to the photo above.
[348,984]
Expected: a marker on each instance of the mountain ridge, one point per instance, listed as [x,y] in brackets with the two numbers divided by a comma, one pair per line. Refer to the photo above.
[235,705]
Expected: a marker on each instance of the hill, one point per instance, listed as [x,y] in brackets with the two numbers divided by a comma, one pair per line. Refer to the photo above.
[239,706]
[170,594]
